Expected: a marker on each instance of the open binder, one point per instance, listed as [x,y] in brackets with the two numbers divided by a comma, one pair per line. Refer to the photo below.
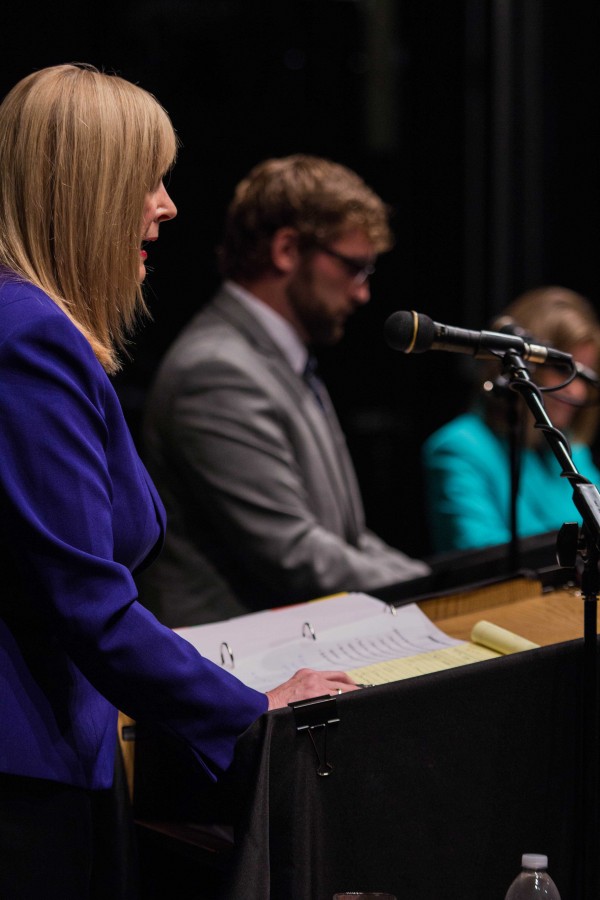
[374,642]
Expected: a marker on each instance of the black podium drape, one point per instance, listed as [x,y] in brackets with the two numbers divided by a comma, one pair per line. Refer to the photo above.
[439,784]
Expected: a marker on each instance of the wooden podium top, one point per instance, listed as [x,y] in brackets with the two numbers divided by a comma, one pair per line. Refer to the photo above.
[519,605]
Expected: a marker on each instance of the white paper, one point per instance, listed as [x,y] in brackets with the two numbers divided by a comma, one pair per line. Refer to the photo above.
[256,632]
[346,647]
[352,630]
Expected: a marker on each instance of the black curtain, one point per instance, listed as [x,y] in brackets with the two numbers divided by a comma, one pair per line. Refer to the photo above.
[476,121]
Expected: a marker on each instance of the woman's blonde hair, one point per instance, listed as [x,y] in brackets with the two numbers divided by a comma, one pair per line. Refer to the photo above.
[79,151]
[561,318]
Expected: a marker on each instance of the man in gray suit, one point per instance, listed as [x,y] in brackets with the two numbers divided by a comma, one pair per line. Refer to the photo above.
[240,434]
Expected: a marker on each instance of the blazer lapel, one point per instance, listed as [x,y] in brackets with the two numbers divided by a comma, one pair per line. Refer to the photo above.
[323,423]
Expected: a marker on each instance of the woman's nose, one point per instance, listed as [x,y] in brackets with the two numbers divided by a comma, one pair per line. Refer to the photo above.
[166,209]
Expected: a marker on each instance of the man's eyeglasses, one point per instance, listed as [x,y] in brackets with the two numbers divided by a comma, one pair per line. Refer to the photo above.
[358,269]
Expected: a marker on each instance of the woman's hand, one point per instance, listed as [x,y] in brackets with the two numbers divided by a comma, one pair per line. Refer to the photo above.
[309,683]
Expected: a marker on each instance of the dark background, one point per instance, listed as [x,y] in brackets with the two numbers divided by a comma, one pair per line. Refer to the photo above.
[476,120]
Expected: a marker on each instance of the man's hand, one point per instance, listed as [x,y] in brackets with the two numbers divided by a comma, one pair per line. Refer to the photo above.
[308,683]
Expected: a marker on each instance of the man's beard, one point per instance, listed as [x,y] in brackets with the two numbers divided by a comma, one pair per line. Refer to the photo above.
[322,328]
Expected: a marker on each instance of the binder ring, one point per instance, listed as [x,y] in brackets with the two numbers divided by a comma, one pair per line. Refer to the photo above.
[225,645]
[307,627]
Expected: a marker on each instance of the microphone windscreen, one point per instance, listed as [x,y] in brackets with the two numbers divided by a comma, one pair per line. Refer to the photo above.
[409,332]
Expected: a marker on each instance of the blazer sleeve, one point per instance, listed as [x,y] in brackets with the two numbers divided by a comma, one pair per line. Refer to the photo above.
[58,509]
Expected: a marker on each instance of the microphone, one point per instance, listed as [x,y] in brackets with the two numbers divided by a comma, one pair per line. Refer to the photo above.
[506,325]
[412,332]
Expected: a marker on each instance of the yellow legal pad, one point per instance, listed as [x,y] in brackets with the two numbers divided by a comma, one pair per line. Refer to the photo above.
[487,642]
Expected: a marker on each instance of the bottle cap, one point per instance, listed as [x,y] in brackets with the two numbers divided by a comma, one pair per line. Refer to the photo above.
[534,861]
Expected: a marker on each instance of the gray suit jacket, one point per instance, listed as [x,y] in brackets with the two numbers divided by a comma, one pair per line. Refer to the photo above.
[262,502]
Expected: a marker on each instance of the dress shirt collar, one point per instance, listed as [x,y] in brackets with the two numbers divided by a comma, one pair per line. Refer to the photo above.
[280,331]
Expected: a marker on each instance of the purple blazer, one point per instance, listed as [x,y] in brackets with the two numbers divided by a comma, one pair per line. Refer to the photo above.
[78,516]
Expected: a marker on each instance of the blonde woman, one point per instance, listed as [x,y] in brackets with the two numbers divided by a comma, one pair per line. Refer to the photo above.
[82,161]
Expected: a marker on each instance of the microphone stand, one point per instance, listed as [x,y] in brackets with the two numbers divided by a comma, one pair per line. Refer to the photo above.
[515,433]
[515,438]
[587,501]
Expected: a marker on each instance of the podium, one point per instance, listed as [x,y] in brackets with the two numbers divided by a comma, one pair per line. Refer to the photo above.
[438,783]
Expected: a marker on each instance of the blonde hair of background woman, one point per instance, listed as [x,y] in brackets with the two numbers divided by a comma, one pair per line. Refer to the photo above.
[558,317]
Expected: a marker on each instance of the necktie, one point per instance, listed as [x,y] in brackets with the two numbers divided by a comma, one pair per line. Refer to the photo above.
[314,382]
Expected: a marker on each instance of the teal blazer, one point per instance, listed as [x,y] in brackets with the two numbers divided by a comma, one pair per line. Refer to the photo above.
[467,481]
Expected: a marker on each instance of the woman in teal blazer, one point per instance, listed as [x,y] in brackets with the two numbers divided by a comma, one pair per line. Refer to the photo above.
[467,461]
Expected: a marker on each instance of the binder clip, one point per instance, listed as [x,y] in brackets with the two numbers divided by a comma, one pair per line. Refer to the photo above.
[313,715]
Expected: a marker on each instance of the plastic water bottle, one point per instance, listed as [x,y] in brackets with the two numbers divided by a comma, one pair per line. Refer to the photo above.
[533,882]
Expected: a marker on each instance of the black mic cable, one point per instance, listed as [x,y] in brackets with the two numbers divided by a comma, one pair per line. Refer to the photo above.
[506,325]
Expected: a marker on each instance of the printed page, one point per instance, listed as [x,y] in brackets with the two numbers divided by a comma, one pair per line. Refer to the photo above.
[370,641]
[256,632]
